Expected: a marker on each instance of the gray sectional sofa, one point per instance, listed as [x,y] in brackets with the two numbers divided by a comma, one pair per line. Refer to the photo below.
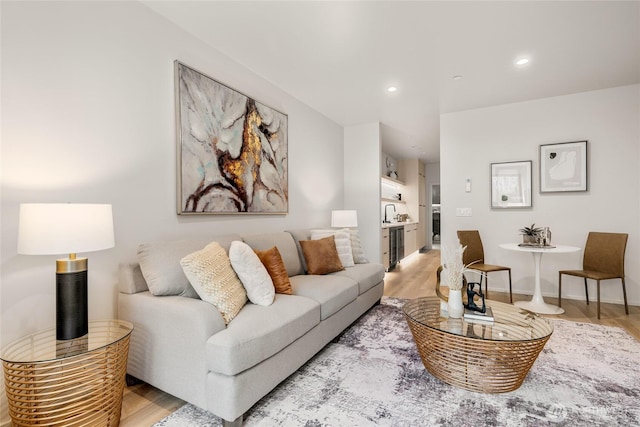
[181,345]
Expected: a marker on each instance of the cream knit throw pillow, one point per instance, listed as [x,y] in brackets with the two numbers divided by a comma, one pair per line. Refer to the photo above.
[210,273]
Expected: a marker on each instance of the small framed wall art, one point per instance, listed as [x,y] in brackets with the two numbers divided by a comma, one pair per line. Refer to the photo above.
[511,185]
[563,167]
[231,149]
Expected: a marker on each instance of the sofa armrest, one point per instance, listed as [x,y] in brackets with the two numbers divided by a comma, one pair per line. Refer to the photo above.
[167,348]
[130,278]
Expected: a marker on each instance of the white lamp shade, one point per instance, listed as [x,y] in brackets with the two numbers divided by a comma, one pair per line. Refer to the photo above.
[64,228]
[345,219]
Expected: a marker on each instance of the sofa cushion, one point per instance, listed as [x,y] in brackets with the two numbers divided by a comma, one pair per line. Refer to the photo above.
[252,273]
[211,275]
[285,244]
[258,333]
[299,235]
[160,263]
[274,265]
[343,244]
[331,291]
[366,275]
[321,256]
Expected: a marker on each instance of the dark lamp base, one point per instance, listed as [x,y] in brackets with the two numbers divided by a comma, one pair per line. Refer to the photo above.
[72,319]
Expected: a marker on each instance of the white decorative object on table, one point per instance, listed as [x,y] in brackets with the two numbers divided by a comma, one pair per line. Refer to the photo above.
[454,305]
[454,269]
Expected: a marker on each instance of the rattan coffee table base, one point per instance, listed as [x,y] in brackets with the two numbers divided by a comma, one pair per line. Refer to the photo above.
[485,366]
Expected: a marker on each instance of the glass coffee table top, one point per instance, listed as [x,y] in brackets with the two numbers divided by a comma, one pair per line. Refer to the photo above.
[511,323]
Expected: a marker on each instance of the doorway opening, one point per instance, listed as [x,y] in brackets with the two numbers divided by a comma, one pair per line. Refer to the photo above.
[435,216]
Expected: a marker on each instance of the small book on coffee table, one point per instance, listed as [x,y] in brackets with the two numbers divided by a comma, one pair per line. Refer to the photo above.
[473,316]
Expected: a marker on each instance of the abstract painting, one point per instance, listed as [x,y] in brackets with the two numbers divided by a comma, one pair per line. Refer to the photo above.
[232,150]
[563,167]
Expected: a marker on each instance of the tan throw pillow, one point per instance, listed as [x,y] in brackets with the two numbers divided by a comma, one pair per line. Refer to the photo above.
[210,273]
[272,261]
[343,244]
[321,255]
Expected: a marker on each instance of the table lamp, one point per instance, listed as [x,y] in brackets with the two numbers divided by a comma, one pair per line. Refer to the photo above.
[67,228]
[344,219]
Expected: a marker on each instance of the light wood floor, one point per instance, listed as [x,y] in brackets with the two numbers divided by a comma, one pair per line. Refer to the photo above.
[415,277]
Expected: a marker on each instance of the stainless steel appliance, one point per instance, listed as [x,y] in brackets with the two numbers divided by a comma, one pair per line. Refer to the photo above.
[396,246]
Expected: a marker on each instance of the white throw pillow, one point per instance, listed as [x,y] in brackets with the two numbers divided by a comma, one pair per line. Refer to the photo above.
[210,273]
[356,246]
[252,273]
[343,244]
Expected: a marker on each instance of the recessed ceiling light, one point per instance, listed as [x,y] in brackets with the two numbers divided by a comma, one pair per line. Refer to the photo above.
[392,89]
[522,61]
[458,77]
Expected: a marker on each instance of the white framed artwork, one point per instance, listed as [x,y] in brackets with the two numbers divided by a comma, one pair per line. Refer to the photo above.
[511,185]
[563,167]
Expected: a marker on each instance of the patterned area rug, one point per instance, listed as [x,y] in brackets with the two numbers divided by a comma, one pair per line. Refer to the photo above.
[587,375]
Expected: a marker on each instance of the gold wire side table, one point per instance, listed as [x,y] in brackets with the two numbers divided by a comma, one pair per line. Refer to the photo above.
[477,356]
[76,382]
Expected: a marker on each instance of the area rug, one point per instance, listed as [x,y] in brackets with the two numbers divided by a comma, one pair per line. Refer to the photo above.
[372,375]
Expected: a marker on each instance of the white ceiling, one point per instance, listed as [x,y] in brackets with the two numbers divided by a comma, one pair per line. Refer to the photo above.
[339,57]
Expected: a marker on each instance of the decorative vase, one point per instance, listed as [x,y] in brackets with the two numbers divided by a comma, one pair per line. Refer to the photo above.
[454,305]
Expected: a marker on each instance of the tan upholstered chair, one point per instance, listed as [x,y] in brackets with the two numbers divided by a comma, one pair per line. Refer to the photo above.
[475,254]
[603,260]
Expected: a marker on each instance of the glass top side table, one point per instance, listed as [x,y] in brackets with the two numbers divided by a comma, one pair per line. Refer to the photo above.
[70,382]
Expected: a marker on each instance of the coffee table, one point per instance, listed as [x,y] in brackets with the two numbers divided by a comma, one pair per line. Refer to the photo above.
[477,356]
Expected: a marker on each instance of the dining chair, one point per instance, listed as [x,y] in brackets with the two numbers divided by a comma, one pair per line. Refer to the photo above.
[474,255]
[603,259]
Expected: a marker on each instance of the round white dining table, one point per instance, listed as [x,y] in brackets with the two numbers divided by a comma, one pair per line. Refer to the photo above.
[537,304]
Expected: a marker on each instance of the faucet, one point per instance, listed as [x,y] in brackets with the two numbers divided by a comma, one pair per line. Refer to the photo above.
[386,221]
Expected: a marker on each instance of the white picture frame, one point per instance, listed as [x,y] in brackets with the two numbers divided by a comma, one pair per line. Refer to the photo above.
[563,167]
[511,185]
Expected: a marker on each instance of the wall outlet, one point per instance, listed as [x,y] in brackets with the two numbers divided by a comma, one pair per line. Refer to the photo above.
[463,211]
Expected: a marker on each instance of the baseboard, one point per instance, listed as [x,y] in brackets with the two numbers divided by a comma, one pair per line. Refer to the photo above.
[576,297]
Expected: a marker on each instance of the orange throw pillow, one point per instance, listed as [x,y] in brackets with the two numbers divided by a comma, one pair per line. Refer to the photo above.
[321,255]
[272,261]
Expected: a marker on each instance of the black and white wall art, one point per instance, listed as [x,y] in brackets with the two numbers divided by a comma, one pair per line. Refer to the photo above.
[563,167]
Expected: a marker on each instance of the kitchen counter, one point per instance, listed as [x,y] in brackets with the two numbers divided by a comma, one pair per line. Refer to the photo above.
[398,224]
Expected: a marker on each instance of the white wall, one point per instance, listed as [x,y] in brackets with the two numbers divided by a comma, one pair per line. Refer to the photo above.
[362,157]
[472,140]
[88,116]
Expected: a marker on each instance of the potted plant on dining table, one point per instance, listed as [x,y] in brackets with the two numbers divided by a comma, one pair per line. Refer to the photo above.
[531,235]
